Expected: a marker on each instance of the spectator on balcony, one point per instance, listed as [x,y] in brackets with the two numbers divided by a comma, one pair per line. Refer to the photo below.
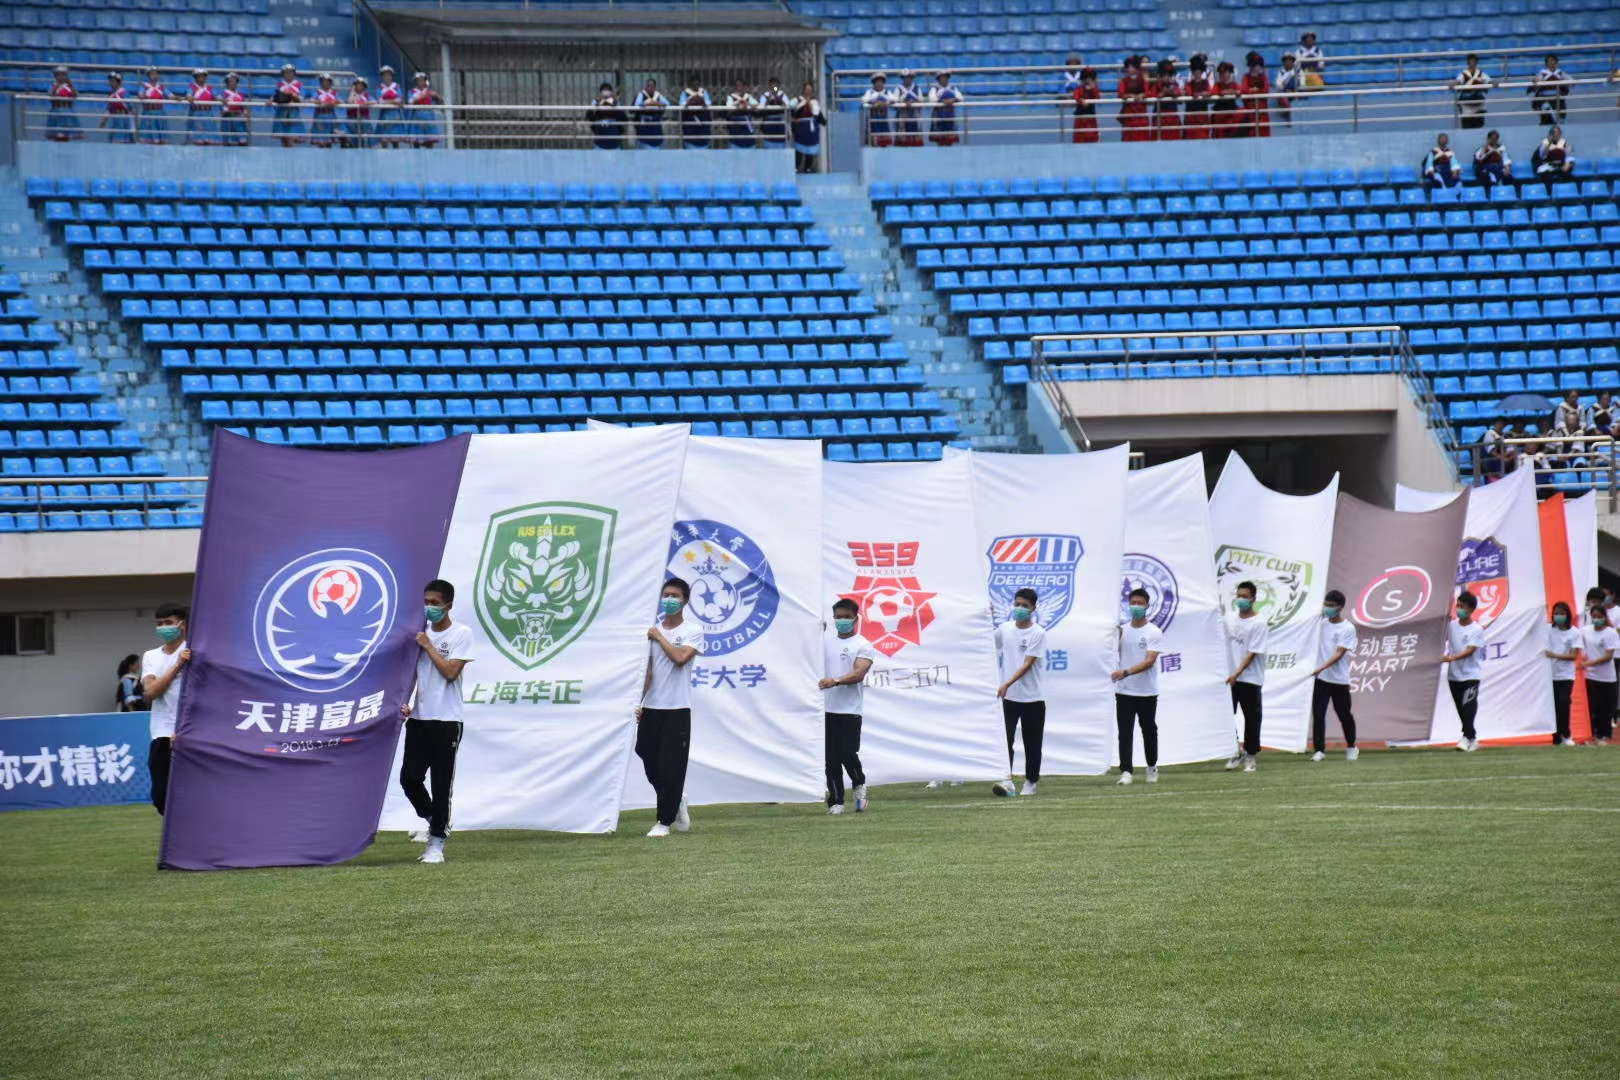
[1167,94]
[1598,418]
[1198,88]
[1227,107]
[876,104]
[1440,165]
[390,109]
[119,120]
[1560,440]
[606,119]
[1086,95]
[425,121]
[1493,451]
[233,111]
[740,106]
[201,124]
[648,112]
[1553,160]
[357,115]
[1284,87]
[1133,102]
[61,124]
[1492,165]
[1256,88]
[908,102]
[1471,85]
[807,124]
[1074,72]
[323,125]
[1549,91]
[697,122]
[153,95]
[774,106]
[1569,414]
[288,97]
[1311,62]
[942,128]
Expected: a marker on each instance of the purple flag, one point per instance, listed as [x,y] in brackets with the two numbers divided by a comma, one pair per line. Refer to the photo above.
[302,632]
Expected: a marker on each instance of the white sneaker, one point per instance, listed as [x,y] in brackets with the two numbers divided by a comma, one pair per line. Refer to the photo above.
[1473,744]
[1595,742]
[434,852]
[419,836]
[932,784]
[836,808]
[954,783]
[1029,788]
[1153,774]
[1319,756]
[1351,753]
[1003,788]
[659,830]
[1236,762]
[1125,779]
[683,820]
[1248,763]
[1462,744]
[860,798]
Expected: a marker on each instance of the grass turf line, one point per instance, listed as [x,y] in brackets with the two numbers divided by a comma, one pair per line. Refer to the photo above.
[1215,924]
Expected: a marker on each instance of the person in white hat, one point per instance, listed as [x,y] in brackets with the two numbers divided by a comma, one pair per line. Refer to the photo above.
[390,103]
[908,100]
[323,125]
[233,112]
[61,125]
[288,97]
[876,103]
[120,120]
[942,129]
[424,124]
[201,126]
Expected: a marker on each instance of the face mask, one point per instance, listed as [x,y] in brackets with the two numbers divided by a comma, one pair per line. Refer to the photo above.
[434,614]
[1599,621]
[1022,614]
[844,626]
[1244,603]
[1560,621]
[671,605]
[1463,615]
[1330,612]
[169,633]
[1138,611]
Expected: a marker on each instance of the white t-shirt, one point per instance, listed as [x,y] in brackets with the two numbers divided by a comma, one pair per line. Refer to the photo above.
[1566,640]
[437,698]
[1594,642]
[166,706]
[1018,643]
[671,686]
[1332,636]
[1135,642]
[1458,638]
[840,654]
[1245,636]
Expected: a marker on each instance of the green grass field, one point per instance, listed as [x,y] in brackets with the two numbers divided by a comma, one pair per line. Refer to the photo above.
[1420,914]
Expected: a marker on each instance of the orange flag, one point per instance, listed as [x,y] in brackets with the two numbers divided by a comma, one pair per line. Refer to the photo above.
[1560,583]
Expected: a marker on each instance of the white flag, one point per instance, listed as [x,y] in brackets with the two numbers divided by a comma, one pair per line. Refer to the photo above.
[899,540]
[557,547]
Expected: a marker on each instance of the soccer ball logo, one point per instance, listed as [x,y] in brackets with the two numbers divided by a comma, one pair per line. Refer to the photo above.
[713,599]
[733,589]
[321,617]
[894,608]
[340,585]
[889,607]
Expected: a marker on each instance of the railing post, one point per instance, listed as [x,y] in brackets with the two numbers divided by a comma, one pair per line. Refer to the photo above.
[449,96]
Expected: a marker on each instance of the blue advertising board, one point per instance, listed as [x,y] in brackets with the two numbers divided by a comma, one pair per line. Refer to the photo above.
[52,762]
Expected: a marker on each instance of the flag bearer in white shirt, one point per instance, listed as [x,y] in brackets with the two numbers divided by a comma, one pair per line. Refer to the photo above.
[847,657]
[433,716]
[1023,647]
[1246,648]
[1464,640]
[1564,650]
[1336,644]
[1136,688]
[1599,643]
[664,720]
[163,672]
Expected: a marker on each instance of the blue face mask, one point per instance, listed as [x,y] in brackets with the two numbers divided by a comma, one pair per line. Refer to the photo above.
[1330,612]
[844,626]
[1560,621]
[434,614]
[1138,611]
[169,633]
[1022,614]
[1244,603]
[671,605]
[1464,614]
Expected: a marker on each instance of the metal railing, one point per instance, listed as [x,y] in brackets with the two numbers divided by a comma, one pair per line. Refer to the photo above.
[1027,120]
[1561,463]
[372,126]
[1332,350]
[37,77]
[43,494]
[1397,69]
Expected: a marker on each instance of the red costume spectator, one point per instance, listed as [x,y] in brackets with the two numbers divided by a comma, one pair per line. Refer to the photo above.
[1167,94]
[1227,109]
[1256,88]
[1197,90]
[1133,103]
[1086,96]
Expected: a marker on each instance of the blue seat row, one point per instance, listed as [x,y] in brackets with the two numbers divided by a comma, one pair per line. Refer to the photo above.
[256,7]
[1540,382]
[912,9]
[1569,357]
[404,191]
[207,236]
[466,262]
[109,465]
[1149,264]
[413,384]
[133,19]
[61,359]
[50,386]
[633,309]
[76,520]
[601,405]
[566,285]
[66,211]
[162,333]
[67,440]
[764,359]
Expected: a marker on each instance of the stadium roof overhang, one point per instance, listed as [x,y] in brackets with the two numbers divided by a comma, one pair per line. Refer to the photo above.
[415,27]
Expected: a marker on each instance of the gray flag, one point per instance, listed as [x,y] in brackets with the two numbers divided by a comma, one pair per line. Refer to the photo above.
[1396,571]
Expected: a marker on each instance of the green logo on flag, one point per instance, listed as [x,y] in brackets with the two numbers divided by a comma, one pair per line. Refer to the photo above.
[1281,584]
[541,576]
